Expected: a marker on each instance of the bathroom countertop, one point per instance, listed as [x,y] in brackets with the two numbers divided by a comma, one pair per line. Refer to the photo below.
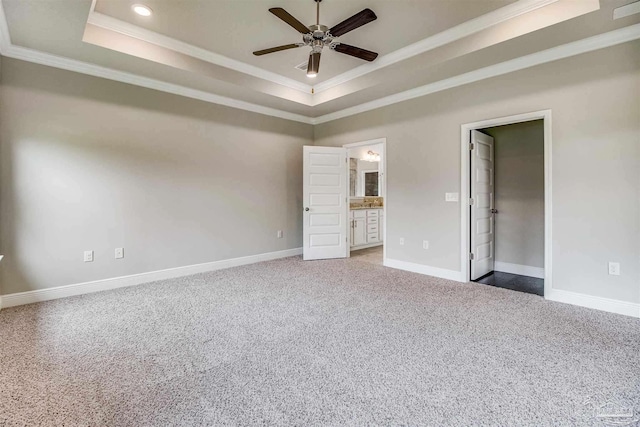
[365,207]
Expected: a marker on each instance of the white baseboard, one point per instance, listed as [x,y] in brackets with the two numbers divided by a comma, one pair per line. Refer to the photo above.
[598,303]
[12,300]
[583,300]
[424,269]
[523,270]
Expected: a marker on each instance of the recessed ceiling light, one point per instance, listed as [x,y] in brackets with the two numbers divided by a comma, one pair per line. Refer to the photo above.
[141,9]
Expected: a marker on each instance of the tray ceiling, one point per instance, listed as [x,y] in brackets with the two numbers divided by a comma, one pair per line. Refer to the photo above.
[237,28]
[203,48]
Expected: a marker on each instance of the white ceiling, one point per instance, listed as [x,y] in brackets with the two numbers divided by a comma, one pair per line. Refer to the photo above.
[203,48]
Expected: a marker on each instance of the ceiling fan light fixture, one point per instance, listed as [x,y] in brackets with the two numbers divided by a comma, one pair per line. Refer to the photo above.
[314,64]
[142,10]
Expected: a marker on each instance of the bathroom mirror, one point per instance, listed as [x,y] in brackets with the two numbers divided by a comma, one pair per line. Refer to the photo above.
[364,178]
[370,183]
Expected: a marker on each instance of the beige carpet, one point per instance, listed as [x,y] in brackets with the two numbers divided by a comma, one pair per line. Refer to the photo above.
[321,343]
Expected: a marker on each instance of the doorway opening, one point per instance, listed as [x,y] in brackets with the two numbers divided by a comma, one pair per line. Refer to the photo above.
[366,162]
[506,222]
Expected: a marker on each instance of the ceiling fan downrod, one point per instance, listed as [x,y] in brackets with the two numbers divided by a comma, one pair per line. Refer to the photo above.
[318,12]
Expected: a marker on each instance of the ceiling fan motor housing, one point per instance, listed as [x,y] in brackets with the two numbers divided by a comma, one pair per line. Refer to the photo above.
[318,37]
[318,31]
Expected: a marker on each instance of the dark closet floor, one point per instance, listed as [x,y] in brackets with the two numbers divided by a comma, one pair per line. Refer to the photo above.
[530,285]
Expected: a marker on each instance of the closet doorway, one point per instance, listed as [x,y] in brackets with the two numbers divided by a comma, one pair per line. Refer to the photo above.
[506,224]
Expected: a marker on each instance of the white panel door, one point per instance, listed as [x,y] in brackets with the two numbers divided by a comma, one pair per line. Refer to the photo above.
[482,196]
[325,223]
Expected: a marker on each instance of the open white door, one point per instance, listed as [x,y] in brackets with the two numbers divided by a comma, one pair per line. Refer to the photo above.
[325,203]
[482,211]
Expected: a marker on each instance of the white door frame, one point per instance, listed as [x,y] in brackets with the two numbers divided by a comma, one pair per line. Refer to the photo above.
[465,131]
[383,143]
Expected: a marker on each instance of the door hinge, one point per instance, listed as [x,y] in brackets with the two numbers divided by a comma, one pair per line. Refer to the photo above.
[471,201]
[471,146]
[471,256]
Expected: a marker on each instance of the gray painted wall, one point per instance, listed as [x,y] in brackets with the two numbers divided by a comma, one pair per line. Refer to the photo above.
[89,163]
[596,165]
[519,193]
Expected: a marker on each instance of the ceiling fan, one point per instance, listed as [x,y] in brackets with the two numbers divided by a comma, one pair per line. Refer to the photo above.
[318,36]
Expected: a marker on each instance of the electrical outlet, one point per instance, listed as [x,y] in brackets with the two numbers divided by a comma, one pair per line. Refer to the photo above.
[425,244]
[280,234]
[614,268]
[401,241]
[88,256]
[119,253]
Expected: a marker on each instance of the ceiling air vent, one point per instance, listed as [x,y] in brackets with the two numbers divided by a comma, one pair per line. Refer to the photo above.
[302,67]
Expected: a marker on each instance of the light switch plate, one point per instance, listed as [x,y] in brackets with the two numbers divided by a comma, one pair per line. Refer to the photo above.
[119,253]
[452,197]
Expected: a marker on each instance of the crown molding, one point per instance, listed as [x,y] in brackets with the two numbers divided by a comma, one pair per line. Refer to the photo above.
[626,10]
[589,44]
[600,41]
[5,36]
[30,55]
[458,32]
[37,57]
[127,29]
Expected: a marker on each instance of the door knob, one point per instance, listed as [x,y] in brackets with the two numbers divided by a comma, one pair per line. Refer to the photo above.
[306,209]
[494,210]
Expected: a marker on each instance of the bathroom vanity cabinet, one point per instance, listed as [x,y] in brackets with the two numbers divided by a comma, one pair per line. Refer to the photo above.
[366,227]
